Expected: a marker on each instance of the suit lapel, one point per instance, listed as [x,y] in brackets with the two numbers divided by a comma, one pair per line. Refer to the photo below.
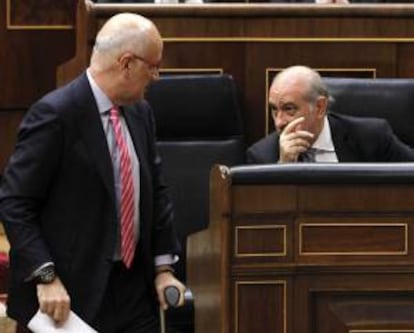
[90,124]
[136,130]
[345,147]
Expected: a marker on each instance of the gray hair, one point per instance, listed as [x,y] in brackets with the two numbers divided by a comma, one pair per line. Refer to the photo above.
[119,42]
[316,85]
[122,33]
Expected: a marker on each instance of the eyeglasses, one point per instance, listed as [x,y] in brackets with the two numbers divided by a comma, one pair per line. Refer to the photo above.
[154,67]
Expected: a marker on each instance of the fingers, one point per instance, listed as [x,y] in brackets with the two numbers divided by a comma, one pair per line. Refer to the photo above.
[164,280]
[293,126]
[54,301]
[61,312]
[292,144]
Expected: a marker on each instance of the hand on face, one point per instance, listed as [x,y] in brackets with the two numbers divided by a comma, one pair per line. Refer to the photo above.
[293,141]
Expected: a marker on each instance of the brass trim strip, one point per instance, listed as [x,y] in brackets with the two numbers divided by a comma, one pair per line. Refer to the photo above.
[11,26]
[260,282]
[267,82]
[368,253]
[238,254]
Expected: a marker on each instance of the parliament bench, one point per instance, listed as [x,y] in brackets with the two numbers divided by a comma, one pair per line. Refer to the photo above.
[306,248]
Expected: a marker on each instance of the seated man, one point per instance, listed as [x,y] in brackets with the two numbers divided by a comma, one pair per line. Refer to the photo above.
[310,1]
[340,1]
[305,131]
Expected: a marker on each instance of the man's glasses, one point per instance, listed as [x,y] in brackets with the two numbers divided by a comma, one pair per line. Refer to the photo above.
[154,67]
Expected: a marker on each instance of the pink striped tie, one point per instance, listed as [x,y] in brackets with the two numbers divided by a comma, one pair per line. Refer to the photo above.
[127,192]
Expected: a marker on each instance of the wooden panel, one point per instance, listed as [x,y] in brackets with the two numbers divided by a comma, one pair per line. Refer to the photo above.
[260,199]
[369,312]
[349,199]
[350,301]
[349,269]
[353,238]
[260,306]
[30,14]
[260,241]
[32,46]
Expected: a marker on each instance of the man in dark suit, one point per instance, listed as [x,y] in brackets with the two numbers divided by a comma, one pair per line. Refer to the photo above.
[340,1]
[83,202]
[306,132]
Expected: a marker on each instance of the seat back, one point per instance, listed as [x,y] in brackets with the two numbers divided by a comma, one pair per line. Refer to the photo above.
[392,99]
[198,125]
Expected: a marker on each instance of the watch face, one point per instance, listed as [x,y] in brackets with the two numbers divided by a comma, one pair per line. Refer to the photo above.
[46,275]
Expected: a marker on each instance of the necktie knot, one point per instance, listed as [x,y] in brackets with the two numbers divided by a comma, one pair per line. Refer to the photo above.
[114,113]
[308,156]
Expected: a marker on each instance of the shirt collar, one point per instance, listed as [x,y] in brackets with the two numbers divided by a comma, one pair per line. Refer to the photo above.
[102,101]
[324,141]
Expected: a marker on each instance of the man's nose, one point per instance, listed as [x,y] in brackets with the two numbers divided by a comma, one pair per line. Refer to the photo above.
[281,120]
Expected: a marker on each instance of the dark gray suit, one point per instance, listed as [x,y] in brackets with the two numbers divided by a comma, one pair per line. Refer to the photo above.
[57,200]
[355,140]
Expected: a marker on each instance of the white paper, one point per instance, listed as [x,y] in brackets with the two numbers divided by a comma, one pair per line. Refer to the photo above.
[42,323]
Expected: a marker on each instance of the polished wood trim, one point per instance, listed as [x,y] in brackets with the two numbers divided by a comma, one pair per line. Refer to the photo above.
[239,254]
[239,283]
[208,259]
[257,10]
[304,225]
[12,26]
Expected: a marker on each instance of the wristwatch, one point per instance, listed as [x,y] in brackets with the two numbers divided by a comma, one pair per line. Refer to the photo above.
[45,275]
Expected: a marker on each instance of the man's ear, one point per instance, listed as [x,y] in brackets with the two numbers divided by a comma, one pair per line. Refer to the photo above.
[124,62]
[321,106]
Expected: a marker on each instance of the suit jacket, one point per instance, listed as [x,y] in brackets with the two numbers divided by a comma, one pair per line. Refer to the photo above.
[57,199]
[351,1]
[355,140]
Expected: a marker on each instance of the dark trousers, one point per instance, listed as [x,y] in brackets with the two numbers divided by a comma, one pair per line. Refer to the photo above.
[128,305]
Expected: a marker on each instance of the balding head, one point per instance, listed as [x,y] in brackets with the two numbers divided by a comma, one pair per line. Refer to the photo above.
[305,77]
[126,57]
[121,33]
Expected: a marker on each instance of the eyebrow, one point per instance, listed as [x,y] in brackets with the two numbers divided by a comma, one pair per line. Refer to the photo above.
[283,105]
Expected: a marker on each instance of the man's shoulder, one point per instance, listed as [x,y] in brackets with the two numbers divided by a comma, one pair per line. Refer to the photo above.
[357,121]
[268,140]
[65,92]
[265,150]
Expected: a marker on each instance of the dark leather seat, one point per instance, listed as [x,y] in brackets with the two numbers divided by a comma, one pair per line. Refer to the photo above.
[198,125]
[392,99]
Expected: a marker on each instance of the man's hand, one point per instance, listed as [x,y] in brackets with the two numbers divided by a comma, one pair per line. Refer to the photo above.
[164,280]
[54,301]
[293,141]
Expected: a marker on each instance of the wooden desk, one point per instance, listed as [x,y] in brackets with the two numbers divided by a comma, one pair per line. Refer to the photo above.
[288,252]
